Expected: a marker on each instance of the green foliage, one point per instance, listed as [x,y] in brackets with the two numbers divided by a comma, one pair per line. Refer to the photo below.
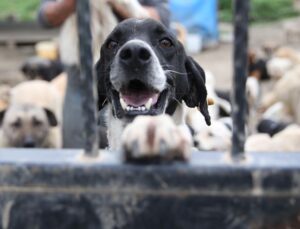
[261,10]
[21,10]
[225,4]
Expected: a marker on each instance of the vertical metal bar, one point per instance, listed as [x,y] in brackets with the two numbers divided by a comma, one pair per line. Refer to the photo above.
[241,11]
[88,80]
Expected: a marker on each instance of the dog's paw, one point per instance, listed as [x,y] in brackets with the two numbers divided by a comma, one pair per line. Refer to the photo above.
[150,138]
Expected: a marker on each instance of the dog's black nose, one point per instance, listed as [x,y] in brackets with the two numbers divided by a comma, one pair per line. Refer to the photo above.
[135,54]
[29,143]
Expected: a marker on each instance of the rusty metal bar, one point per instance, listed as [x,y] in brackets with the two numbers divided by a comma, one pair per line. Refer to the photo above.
[88,80]
[241,11]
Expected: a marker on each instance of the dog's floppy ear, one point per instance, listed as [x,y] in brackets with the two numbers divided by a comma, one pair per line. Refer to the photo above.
[197,95]
[51,117]
[2,113]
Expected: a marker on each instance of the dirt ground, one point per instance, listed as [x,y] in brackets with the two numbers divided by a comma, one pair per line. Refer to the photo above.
[218,60]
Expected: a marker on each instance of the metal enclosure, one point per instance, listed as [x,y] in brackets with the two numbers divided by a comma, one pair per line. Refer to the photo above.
[53,189]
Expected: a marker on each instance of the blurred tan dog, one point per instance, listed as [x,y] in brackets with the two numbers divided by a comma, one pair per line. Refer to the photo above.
[28,126]
[286,91]
[33,116]
[285,141]
[4,96]
[283,60]
[215,137]
[60,83]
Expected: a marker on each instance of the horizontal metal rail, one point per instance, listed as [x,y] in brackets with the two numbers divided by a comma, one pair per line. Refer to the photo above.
[58,189]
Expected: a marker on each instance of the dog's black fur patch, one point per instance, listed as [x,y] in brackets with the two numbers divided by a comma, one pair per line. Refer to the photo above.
[271,127]
[2,114]
[51,117]
[38,67]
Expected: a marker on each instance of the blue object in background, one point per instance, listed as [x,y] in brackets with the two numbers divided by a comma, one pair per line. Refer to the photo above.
[198,16]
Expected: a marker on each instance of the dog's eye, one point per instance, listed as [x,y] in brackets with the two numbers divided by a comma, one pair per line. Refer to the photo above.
[36,123]
[166,43]
[112,45]
[16,124]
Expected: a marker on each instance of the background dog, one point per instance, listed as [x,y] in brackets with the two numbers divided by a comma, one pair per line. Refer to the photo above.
[4,96]
[286,140]
[28,126]
[287,91]
[32,117]
[144,71]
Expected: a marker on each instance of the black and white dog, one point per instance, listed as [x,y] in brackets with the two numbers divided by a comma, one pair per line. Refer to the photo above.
[144,71]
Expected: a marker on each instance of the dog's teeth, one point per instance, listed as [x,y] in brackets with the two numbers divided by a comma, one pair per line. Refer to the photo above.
[148,104]
[130,108]
[123,104]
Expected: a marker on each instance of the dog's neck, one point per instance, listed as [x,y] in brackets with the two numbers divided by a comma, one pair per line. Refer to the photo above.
[171,108]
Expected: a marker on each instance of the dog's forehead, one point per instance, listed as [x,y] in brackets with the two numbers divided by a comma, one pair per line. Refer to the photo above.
[24,112]
[139,27]
[37,112]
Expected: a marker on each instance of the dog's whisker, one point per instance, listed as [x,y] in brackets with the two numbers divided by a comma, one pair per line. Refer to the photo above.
[167,65]
[179,73]
[171,76]
[105,100]
[176,100]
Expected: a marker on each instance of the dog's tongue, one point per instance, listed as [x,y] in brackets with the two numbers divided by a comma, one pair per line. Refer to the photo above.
[137,99]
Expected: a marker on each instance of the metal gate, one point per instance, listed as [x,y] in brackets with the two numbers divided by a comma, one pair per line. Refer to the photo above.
[65,189]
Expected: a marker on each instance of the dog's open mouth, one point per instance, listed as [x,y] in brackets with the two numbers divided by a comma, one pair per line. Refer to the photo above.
[137,98]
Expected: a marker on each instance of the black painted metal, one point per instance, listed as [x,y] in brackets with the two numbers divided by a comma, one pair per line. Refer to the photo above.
[87,78]
[57,189]
[241,10]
